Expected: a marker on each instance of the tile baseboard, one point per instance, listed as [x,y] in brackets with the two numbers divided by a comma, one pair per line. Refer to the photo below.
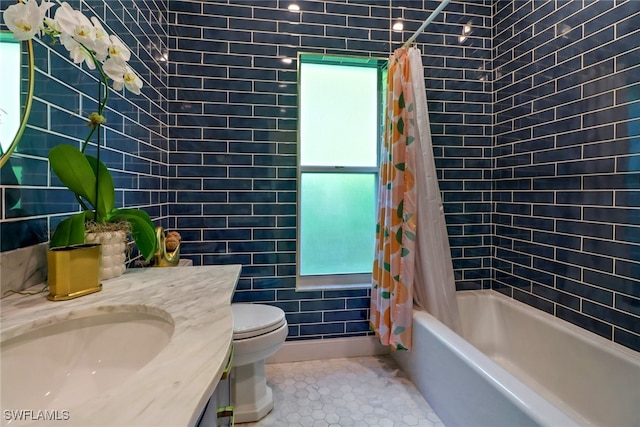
[333,348]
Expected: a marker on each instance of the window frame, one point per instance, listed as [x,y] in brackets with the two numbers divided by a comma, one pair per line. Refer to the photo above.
[345,280]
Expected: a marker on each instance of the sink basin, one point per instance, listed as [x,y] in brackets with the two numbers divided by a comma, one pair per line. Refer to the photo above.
[59,363]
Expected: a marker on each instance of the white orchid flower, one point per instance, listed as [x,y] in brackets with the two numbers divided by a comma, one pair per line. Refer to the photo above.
[132,82]
[115,68]
[122,75]
[78,53]
[73,22]
[102,41]
[117,49]
[77,34]
[65,18]
[51,26]
[25,20]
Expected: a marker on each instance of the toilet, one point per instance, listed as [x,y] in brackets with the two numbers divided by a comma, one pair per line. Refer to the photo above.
[258,332]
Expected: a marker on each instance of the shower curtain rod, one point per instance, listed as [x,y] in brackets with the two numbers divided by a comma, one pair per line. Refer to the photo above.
[431,17]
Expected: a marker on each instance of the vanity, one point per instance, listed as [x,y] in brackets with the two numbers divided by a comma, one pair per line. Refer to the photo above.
[153,345]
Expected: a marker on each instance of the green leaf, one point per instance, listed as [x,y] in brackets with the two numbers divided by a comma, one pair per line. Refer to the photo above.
[400,125]
[399,235]
[411,236]
[398,330]
[386,266]
[410,140]
[399,166]
[401,347]
[385,295]
[142,230]
[400,211]
[74,170]
[69,232]
[404,252]
[401,100]
[106,192]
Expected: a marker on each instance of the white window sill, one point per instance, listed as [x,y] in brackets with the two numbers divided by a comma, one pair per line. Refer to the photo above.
[341,287]
[336,282]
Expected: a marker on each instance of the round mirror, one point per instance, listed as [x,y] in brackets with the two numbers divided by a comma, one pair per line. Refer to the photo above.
[16,86]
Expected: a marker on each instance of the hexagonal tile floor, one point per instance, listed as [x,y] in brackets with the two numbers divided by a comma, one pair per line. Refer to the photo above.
[358,392]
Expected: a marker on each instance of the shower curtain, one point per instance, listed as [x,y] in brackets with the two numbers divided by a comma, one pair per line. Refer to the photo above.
[412,262]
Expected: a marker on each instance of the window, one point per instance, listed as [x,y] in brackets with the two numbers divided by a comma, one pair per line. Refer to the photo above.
[340,123]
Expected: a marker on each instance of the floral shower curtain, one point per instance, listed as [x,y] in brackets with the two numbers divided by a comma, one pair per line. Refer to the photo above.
[393,266]
[408,196]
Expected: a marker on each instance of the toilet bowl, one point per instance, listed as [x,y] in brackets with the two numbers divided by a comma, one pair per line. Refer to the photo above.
[258,332]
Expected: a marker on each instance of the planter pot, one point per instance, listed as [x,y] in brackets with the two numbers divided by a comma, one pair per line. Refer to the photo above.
[74,271]
[114,245]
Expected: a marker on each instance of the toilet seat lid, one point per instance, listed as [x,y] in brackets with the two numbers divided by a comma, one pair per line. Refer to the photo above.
[251,320]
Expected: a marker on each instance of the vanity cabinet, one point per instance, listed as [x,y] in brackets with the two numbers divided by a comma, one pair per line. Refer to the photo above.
[196,346]
[218,412]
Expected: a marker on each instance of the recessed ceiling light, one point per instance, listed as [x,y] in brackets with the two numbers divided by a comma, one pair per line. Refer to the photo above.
[294,7]
[287,60]
[398,26]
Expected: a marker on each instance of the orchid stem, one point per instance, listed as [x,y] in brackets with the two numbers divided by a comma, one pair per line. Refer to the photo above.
[103,97]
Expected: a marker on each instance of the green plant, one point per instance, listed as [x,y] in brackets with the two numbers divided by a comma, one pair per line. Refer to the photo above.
[91,182]
[85,175]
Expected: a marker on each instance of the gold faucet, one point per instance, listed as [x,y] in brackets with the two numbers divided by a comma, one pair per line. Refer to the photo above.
[162,257]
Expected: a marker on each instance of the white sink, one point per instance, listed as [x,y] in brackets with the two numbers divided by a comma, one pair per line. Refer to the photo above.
[59,363]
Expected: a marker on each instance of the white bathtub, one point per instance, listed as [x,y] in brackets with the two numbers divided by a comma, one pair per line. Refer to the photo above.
[519,366]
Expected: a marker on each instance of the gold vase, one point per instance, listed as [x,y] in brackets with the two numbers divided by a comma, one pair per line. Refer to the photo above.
[74,271]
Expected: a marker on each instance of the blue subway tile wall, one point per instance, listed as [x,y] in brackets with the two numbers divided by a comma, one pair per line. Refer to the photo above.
[134,139]
[234,139]
[535,118]
[566,186]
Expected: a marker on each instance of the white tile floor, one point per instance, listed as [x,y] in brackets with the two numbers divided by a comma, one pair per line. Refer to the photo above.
[358,392]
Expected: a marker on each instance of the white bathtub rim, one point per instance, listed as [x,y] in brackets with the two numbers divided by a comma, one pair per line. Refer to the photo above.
[556,322]
[539,409]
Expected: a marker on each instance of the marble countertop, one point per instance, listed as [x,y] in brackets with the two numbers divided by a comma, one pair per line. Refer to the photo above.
[173,388]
